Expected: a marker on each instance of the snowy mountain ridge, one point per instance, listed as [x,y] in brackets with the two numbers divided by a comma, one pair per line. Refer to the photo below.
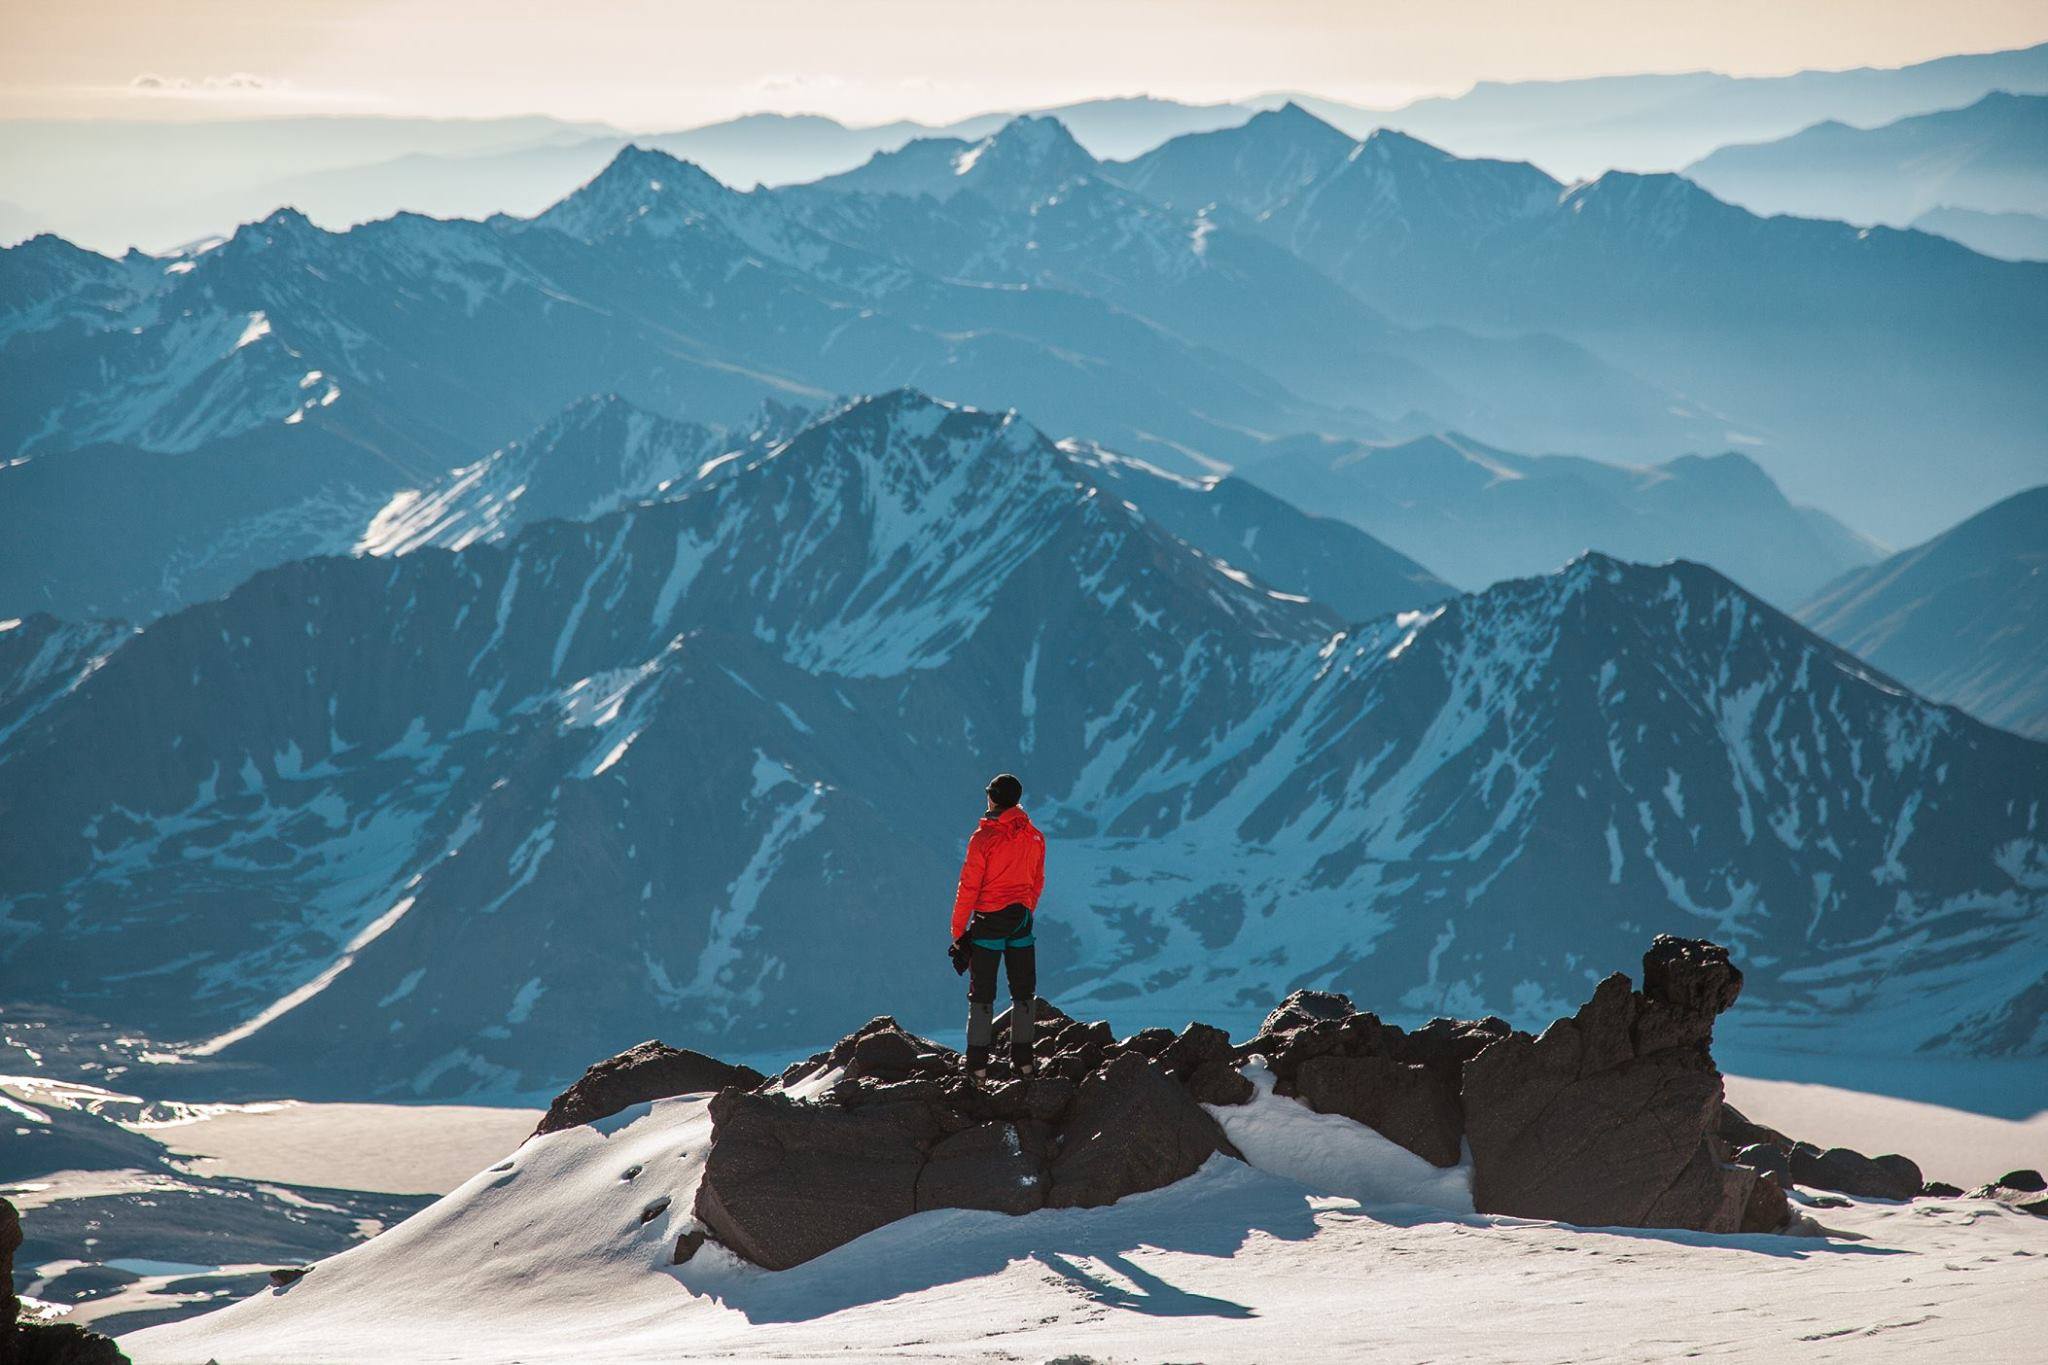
[444,823]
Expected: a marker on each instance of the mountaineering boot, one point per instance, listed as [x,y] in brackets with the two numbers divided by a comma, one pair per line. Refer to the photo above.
[1022,1064]
[980,1033]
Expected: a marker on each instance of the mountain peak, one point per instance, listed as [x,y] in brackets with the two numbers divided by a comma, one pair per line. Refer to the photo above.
[638,184]
[1033,153]
[1392,146]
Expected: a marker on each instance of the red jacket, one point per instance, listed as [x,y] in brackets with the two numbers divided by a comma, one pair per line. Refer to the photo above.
[1005,866]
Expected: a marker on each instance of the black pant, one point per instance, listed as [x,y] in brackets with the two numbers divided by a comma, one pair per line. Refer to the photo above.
[1021,965]
[1012,921]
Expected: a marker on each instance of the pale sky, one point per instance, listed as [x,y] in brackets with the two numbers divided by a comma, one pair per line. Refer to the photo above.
[650,64]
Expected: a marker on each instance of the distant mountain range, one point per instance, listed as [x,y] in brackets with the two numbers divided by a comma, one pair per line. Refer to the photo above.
[1991,157]
[1488,515]
[1578,129]
[158,185]
[175,424]
[449,823]
[1962,619]
[1850,352]
[2008,236]
[302,379]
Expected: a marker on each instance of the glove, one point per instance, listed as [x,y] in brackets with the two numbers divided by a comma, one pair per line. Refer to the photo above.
[961,954]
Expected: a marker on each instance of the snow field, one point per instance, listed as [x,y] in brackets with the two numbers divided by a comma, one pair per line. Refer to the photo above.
[566,1243]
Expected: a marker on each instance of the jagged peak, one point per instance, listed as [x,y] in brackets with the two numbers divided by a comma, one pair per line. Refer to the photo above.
[637,183]
[1296,120]
[1033,147]
[1391,145]
[283,227]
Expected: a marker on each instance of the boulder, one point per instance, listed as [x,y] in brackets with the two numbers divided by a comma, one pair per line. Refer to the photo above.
[786,1181]
[647,1071]
[1130,1128]
[688,1244]
[1847,1172]
[2024,1191]
[41,1343]
[1406,1103]
[1201,1059]
[999,1166]
[65,1343]
[1766,1209]
[1304,1008]
[1940,1189]
[1604,1120]
[10,1306]
[1767,1158]
[1739,1132]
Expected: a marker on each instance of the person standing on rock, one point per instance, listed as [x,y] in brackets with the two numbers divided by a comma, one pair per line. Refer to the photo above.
[992,923]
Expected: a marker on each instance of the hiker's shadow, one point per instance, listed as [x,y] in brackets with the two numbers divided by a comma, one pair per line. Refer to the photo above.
[1211,1214]
[1147,1293]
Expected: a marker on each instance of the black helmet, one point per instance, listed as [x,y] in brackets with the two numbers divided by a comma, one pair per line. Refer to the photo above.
[1005,790]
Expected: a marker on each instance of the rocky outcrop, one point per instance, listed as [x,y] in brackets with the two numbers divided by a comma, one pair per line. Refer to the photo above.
[1605,1119]
[786,1181]
[1890,1176]
[1611,1117]
[10,1306]
[646,1071]
[2025,1191]
[41,1343]
[1790,1162]
[1337,1060]
[901,1130]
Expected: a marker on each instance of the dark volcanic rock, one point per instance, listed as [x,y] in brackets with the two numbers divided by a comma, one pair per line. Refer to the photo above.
[1201,1059]
[41,1343]
[1604,1120]
[1940,1189]
[65,1343]
[647,1071]
[10,1306]
[786,1181]
[1611,1117]
[999,1166]
[1130,1129]
[1847,1172]
[1766,1209]
[1765,1157]
[287,1275]
[1739,1132]
[2021,1190]
[687,1246]
[1304,1008]
[1406,1103]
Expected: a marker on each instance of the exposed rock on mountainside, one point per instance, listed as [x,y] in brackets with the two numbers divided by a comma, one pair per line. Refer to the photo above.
[36,1342]
[1606,1117]
[644,1072]
[2022,1190]
[1609,1118]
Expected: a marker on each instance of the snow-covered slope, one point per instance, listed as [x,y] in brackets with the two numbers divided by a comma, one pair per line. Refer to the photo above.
[596,456]
[569,1239]
[1962,618]
[453,823]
